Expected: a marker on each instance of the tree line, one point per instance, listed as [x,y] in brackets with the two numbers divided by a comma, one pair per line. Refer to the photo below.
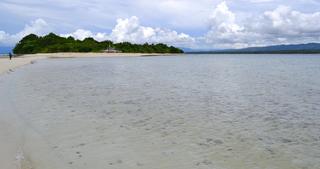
[53,43]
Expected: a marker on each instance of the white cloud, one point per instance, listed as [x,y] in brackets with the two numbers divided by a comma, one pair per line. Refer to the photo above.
[286,21]
[126,30]
[223,29]
[130,30]
[279,26]
[38,27]
[81,34]
[227,27]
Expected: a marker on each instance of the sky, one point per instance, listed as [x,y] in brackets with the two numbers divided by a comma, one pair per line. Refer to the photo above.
[196,24]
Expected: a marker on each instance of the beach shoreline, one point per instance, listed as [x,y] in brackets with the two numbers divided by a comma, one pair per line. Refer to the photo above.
[161,112]
[17,143]
[7,65]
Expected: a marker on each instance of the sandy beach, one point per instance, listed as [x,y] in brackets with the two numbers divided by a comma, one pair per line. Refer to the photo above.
[168,84]
[15,139]
[8,65]
[16,135]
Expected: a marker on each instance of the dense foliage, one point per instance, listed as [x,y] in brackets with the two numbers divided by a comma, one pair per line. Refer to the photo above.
[52,43]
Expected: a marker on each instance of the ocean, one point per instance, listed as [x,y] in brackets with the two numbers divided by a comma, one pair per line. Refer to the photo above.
[172,112]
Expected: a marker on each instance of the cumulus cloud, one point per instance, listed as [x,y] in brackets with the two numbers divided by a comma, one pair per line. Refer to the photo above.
[223,29]
[126,30]
[279,26]
[81,34]
[131,30]
[286,21]
[227,28]
[38,27]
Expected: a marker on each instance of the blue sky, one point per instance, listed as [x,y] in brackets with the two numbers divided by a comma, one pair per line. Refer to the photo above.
[201,24]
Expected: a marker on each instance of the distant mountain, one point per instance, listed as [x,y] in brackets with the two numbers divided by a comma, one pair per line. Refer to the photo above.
[187,49]
[278,49]
[5,50]
[191,50]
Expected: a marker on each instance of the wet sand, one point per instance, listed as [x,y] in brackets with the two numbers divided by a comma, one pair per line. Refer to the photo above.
[161,113]
[8,65]
[15,134]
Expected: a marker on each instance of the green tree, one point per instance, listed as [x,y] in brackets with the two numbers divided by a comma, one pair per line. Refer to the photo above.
[53,43]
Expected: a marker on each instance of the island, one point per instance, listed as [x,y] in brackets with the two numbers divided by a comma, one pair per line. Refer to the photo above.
[52,43]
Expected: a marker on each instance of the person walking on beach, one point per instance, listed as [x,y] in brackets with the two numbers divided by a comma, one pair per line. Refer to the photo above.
[10,55]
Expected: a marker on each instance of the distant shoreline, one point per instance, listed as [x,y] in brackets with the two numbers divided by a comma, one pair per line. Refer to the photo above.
[309,48]
[92,54]
[256,53]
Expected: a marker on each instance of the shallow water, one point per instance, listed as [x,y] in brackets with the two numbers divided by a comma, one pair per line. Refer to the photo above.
[181,112]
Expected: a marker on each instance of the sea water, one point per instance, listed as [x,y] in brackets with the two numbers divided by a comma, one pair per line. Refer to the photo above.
[174,112]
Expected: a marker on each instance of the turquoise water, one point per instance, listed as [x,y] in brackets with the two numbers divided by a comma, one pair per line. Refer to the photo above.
[193,111]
